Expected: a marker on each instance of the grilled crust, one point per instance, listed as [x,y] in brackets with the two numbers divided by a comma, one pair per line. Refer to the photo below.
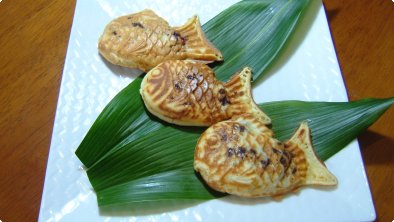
[130,40]
[184,93]
[239,89]
[187,93]
[197,46]
[317,174]
[143,40]
[240,157]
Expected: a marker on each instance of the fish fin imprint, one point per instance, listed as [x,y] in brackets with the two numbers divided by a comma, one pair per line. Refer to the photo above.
[317,173]
[239,91]
[196,45]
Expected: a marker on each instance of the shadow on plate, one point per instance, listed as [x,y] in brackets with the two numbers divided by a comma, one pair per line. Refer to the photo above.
[120,70]
[265,200]
[146,209]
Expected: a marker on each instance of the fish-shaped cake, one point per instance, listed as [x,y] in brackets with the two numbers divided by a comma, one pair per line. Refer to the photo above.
[143,40]
[241,157]
[187,93]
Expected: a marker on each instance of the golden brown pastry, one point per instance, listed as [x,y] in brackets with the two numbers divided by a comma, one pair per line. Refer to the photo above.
[143,40]
[241,157]
[187,93]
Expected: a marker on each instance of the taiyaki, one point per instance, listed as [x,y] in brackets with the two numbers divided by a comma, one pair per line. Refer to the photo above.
[187,93]
[143,40]
[241,157]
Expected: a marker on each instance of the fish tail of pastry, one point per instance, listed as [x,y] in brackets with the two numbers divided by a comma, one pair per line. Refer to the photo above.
[239,92]
[196,45]
[316,171]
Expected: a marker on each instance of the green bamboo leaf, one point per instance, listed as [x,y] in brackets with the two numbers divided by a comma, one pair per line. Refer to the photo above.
[145,156]
[334,125]
[146,169]
[121,121]
[180,184]
[257,28]
[256,31]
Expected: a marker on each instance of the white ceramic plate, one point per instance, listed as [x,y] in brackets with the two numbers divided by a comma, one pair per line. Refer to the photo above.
[88,84]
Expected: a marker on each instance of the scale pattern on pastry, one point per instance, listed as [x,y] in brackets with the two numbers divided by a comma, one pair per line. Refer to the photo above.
[241,157]
[187,93]
[143,40]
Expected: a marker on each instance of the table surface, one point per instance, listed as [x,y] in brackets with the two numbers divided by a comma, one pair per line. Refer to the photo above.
[33,42]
